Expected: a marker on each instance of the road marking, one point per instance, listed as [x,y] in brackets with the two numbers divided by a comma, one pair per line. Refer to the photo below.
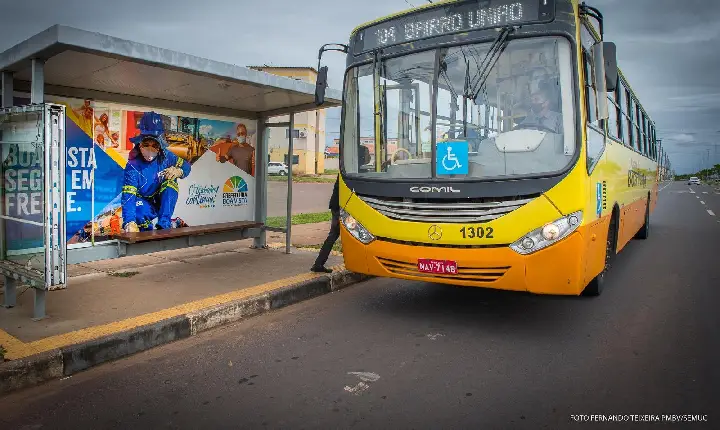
[10,342]
[366,376]
[434,336]
[697,197]
[356,390]
[692,192]
[664,187]
[702,202]
[705,192]
[711,212]
[361,386]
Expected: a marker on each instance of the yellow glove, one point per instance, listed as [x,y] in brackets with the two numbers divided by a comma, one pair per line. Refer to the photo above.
[132,227]
[172,173]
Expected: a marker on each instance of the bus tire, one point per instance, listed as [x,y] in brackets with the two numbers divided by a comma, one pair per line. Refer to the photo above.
[596,286]
[644,231]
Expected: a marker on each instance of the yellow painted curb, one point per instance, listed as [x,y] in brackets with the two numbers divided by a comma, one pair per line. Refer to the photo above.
[16,349]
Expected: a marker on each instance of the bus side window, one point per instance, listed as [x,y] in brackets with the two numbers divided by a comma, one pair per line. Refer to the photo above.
[595,134]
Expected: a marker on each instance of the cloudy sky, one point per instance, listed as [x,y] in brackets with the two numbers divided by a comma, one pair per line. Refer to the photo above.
[667,48]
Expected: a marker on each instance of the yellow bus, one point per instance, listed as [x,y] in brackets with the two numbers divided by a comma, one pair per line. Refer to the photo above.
[523,160]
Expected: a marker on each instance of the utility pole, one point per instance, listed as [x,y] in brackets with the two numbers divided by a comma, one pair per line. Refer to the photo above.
[660,155]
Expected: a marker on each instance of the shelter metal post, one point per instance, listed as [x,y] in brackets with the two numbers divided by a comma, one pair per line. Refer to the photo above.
[9,292]
[39,304]
[7,101]
[7,89]
[288,226]
[37,85]
[261,181]
[10,284]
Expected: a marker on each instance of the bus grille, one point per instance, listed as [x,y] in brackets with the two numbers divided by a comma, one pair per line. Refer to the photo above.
[456,212]
[473,274]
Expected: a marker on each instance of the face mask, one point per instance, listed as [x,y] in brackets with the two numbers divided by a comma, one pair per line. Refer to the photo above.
[536,107]
[148,153]
[242,139]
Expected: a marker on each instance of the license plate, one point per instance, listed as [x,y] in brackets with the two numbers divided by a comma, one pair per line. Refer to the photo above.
[438,267]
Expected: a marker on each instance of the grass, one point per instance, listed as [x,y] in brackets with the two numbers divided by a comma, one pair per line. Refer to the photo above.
[307,218]
[304,179]
[123,274]
[331,172]
[336,247]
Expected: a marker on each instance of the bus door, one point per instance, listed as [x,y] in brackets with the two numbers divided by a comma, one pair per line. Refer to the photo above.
[403,139]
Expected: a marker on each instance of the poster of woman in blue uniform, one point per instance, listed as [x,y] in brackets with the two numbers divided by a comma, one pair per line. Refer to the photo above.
[130,170]
[150,186]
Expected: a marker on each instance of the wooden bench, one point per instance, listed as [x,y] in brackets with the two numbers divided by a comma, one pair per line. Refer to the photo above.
[146,242]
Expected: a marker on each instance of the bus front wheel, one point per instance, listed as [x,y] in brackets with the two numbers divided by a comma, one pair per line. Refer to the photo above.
[596,286]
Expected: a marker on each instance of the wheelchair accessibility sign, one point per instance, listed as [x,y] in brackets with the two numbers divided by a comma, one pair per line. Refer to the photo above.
[452,158]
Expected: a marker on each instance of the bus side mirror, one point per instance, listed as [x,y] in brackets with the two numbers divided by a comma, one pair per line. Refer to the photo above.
[611,68]
[600,80]
[320,86]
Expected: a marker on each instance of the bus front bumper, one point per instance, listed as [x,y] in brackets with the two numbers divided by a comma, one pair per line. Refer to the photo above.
[558,269]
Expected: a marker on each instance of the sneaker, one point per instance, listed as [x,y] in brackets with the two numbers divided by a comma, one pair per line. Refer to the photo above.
[320,269]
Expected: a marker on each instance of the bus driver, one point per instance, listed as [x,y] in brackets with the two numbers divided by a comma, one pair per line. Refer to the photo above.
[540,113]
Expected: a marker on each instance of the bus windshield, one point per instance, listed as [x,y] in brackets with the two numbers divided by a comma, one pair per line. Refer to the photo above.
[514,115]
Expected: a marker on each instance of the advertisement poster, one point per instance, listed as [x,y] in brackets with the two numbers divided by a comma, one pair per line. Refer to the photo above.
[22,181]
[108,124]
[216,159]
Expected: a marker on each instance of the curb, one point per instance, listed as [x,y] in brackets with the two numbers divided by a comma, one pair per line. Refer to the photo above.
[63,362]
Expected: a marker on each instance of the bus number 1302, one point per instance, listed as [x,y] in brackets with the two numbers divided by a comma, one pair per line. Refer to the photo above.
[477,232]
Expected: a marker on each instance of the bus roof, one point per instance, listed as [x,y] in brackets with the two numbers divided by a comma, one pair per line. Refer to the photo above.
[626,83]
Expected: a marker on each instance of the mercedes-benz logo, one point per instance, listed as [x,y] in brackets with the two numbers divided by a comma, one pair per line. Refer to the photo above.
[435,232]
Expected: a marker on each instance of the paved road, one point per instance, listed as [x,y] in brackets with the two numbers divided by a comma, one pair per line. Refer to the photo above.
[435,356]
[708,198]
[307,197]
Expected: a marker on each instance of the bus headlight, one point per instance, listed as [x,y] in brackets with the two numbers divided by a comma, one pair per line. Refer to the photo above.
[548,234]
[355,228]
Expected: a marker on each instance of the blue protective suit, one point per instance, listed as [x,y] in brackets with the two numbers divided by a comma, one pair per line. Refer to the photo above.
[145,195]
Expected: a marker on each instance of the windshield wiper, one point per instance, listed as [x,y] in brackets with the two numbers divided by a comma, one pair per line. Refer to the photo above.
[493,55]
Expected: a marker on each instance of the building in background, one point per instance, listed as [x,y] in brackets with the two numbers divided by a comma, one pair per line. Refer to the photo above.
[308,133]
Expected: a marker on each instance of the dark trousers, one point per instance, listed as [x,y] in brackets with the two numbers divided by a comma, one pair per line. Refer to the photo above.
[330,241]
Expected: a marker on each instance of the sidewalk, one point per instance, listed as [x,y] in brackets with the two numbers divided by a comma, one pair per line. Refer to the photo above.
[121,306]
[304,235]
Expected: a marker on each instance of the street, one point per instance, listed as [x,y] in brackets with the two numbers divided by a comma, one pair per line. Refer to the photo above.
[395,354]
[706,196]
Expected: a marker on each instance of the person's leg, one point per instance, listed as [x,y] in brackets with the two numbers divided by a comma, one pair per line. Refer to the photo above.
[145,214]
[168,200]
[333,236]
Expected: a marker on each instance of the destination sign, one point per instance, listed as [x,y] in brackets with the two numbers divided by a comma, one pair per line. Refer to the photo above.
[454,18]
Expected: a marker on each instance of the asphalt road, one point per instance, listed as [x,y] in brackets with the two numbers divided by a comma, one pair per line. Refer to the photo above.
[307,197]
[707,197]
[437,356]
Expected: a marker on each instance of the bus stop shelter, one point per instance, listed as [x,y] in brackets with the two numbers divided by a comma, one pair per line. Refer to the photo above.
[110,79]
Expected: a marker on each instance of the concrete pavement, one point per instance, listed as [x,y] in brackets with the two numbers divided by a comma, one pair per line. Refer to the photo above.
[113,308]
[396,354]
[307,198]
[304,234]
